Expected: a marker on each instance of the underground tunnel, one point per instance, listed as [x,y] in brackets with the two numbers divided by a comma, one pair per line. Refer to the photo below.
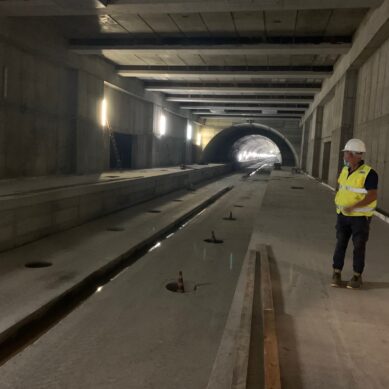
[234,144]
[171,174]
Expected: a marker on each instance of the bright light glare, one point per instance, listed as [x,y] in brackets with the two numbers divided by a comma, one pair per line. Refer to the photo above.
[104,112]
[162,125]
[189,130]
[251,155]
[198,140]
[158,244]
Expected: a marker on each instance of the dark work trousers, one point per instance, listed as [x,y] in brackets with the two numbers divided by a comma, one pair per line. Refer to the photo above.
[358,228]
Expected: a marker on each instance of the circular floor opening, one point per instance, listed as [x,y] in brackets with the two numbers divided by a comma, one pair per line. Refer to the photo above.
[238,206]
[189,287]
[214,241]
[154,211]
[38,264]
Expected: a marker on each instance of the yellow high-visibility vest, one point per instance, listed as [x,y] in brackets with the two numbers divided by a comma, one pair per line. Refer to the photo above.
[352,190]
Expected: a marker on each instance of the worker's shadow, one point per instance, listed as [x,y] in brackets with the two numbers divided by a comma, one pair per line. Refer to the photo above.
[287,342]
[375,285]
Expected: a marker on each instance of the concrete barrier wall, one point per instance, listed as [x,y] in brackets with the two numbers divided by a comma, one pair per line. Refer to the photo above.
[372,116]
[25,218]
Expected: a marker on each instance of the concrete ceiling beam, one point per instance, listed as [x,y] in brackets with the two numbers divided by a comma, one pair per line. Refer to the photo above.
[204,72]
[233,89]
[96,7]
[262,49]
[237,100]
[248,115]
[213,107]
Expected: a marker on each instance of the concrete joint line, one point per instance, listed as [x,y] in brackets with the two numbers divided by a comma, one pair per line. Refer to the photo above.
[271,366]
[234,350]
[240,370]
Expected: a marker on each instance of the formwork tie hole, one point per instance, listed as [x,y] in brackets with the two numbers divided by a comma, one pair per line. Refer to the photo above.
[213,239]
[115,229]
[38,264]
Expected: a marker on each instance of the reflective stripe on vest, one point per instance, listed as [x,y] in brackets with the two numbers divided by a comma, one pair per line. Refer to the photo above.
[358,209]
[354,190]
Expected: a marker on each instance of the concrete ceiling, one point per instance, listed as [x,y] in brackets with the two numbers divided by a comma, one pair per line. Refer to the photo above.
[270,53]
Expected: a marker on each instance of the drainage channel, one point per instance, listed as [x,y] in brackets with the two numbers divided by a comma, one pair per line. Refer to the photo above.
[31,328]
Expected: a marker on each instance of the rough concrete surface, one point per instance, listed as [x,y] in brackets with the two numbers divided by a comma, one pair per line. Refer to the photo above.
[135,333]
[328,337]
[32,208]
[78,252]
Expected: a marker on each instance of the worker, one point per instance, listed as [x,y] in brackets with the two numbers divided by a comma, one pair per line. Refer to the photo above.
[356,200]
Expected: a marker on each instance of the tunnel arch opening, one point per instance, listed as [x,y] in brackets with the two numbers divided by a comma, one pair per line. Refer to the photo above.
[255,148]
[221,148]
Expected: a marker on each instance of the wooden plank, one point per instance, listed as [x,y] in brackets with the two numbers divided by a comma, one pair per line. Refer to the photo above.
[239,376]
[272,373]
[223,368]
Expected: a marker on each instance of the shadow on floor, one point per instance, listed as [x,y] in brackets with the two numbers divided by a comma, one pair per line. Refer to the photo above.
[287,342]
[255,373]
[375,285]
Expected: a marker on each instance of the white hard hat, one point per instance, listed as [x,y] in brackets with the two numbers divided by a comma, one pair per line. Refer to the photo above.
[355,145]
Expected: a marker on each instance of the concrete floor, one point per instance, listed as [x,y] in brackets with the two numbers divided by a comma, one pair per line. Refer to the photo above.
[135,333]
[328,337]
[78,252]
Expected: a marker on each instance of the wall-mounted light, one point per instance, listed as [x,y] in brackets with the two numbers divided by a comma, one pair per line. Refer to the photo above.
[104,111]
[198,140]
[162,125]
[189,131]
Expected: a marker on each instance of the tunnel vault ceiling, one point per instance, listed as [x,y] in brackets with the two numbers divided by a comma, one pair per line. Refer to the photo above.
[246,58]
[220,148]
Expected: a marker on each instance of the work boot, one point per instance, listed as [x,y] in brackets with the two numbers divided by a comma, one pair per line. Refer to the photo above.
[355,282]
[336,278]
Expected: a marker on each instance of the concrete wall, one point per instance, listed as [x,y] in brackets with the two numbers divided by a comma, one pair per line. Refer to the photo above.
[330,122]
[356,107]
[92,142]
[50,107]
[30,216]
[173,148]
[129,115]
[37,114]
[372,116]
[355,103]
